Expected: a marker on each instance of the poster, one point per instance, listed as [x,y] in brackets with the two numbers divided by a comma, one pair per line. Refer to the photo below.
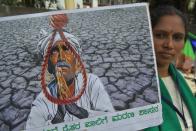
[116,69]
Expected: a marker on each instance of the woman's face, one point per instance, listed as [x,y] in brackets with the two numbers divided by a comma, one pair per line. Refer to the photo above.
[169,35]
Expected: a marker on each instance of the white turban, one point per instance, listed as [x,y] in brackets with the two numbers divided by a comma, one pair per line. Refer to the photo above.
[45,39]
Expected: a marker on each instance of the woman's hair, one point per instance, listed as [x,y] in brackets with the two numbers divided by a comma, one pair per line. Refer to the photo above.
[161,11]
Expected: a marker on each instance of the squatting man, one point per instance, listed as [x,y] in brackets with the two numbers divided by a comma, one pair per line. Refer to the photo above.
[94,101]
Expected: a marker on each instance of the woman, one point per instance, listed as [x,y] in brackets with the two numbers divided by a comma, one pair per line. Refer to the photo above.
[178,103]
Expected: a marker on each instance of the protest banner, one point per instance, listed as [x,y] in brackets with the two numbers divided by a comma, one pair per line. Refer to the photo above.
[96,71]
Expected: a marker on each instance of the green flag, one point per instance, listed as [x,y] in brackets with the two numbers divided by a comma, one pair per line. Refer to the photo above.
[188,47]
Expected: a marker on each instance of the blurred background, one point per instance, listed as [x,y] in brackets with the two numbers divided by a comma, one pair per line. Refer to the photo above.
[16,7]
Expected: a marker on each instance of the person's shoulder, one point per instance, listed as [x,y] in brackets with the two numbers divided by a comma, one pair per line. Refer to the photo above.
[180,71]
[92,75]
[189,80]
[39,98]
[89,76]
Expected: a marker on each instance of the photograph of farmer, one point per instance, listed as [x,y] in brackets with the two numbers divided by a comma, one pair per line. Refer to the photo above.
[67,82]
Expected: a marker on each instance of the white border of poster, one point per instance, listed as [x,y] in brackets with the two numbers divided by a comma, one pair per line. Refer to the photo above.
[131,119]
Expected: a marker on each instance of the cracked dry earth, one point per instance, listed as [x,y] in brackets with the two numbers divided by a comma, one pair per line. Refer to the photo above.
[116,46]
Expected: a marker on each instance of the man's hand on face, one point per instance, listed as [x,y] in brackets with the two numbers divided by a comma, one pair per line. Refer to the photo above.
[65,68]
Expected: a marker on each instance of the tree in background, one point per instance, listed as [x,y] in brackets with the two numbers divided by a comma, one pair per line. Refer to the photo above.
[8,2]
